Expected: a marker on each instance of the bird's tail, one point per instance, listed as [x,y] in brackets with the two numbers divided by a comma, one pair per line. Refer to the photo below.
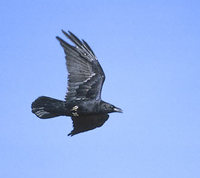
[46,107]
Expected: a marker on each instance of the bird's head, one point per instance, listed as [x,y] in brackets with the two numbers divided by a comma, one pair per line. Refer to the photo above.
[108,108]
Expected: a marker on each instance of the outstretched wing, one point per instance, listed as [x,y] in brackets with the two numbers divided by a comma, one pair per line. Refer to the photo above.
[85,75]
[89,122]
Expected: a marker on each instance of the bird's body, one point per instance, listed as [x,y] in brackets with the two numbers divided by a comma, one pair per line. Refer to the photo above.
[83,100]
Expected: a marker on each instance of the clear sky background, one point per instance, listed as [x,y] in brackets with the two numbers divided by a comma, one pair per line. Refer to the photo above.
[150,53]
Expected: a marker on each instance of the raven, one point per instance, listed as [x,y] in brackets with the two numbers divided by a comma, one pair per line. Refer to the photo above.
[83,99]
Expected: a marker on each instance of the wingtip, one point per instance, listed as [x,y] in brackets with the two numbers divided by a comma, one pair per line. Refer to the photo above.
[58,38]
[73,36]
[68,35]
[70,134]
[70,32]
[64,31]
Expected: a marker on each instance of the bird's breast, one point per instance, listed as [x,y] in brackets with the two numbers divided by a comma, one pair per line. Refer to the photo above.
[83,108]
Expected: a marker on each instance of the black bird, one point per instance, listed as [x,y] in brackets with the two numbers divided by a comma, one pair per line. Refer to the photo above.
[83,100]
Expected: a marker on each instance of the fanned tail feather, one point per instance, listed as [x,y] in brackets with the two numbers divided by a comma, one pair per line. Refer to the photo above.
[46,107]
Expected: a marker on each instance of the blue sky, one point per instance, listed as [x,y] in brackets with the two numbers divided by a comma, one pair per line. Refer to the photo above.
[149,51]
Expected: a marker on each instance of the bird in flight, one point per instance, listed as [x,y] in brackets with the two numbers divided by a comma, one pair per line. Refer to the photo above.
[83,101]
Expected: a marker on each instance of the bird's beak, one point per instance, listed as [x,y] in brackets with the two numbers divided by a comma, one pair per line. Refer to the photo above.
[118,110]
